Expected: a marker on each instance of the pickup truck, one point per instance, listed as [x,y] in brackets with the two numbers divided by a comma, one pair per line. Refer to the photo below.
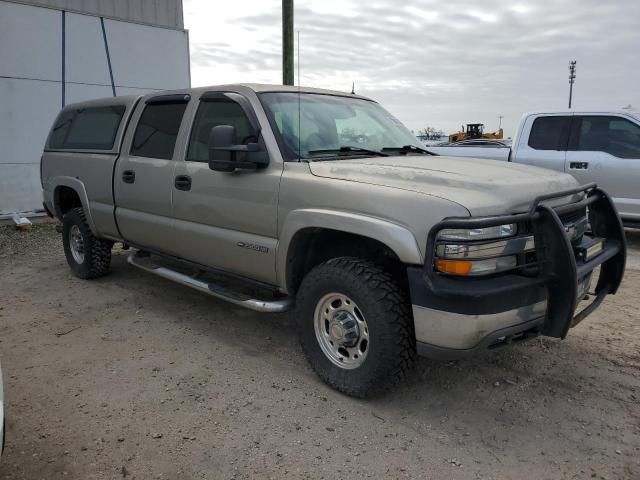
[602,147]
[277,198]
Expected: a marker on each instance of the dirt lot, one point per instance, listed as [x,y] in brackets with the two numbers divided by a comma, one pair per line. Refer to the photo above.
[132,376]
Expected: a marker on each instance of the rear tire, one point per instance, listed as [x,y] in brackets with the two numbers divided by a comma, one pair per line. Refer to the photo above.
[355,326]
[87,255]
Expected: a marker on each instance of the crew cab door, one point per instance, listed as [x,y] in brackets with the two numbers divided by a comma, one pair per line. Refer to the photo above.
[545,144]
[606,149]
[226,220]
[143,178]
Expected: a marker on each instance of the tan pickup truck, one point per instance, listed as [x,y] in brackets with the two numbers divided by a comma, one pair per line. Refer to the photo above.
[274,197]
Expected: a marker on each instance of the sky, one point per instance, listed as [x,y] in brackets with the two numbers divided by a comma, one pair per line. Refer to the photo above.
[431,62]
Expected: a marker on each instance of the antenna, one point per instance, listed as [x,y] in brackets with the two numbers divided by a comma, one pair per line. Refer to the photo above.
[299,114]
[353,88]
[298,46]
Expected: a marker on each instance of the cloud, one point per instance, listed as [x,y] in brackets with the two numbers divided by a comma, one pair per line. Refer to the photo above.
[431,62]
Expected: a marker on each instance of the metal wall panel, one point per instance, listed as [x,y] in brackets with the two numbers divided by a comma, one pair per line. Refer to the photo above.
[28,109]
[166,13]
[82,92]
[144,59]
[30,40]
[124,91]
[20,189]
[147,57]
[86,58]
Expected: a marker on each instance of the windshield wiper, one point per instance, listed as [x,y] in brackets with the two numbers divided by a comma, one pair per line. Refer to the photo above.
[347,149]
[408,149]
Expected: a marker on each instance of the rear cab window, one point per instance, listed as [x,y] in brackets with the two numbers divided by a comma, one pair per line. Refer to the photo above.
[90,128]
[550,133]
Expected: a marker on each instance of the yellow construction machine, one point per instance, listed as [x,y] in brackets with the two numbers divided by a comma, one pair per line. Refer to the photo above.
[474,130]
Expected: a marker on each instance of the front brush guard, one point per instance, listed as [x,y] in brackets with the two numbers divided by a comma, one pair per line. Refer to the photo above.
[558,269]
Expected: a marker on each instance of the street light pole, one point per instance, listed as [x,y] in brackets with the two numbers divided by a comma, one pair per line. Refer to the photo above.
[287,42]
[572,78]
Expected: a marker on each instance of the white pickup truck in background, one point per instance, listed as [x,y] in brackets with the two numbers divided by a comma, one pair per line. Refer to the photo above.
[601,147]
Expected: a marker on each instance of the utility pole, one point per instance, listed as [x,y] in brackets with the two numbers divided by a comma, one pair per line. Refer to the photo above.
[500,117]
[287,42]
[572,78]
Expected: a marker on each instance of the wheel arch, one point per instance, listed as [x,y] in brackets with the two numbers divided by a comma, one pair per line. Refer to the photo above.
[68,193]
[311,236]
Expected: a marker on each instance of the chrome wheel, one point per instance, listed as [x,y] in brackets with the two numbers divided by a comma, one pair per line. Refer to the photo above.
[76,243]
[341,330]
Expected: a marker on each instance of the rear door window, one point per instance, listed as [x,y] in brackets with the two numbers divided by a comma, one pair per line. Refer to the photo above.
[93,128]
[616,136]
[550,133]
[157,130]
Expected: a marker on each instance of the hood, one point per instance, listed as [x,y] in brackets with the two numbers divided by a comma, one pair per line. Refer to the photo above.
[483,187]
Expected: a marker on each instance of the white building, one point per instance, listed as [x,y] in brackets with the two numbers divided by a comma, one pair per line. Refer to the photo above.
[55,52]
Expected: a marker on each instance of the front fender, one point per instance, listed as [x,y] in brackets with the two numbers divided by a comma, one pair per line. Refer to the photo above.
[399,239]
[75,184]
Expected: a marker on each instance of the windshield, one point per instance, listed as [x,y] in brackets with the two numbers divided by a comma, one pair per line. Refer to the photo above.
[328,123]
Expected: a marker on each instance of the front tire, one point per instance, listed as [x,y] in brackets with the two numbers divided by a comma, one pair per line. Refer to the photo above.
[355,326]
[87,255]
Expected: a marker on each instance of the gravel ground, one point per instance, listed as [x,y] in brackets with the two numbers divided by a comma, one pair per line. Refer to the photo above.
[131,376]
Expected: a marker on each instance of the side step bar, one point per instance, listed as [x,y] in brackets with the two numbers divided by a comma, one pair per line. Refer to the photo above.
[218,291]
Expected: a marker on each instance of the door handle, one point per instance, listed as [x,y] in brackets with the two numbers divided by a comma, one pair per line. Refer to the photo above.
[128,176]
[183,182]
[578,165]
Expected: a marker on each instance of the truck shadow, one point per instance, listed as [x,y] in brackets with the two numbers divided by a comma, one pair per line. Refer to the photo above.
[574,396]
[541,363]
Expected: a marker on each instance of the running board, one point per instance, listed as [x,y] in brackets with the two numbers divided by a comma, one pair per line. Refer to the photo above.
[213,289]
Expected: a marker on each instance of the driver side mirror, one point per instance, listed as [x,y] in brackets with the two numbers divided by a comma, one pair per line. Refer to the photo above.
[225,156]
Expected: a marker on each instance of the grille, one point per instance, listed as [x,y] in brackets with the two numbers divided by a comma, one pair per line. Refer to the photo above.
[575,224]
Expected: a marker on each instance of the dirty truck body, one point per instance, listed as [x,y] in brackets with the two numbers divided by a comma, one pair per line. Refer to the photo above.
[324,203]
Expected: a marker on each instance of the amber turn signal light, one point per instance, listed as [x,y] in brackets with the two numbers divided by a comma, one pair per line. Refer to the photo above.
[454,267]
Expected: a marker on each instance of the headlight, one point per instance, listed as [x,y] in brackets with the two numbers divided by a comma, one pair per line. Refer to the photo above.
[472,252]
[499,231]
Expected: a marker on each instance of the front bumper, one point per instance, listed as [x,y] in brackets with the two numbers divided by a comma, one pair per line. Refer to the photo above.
[454,335]
[455,317]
